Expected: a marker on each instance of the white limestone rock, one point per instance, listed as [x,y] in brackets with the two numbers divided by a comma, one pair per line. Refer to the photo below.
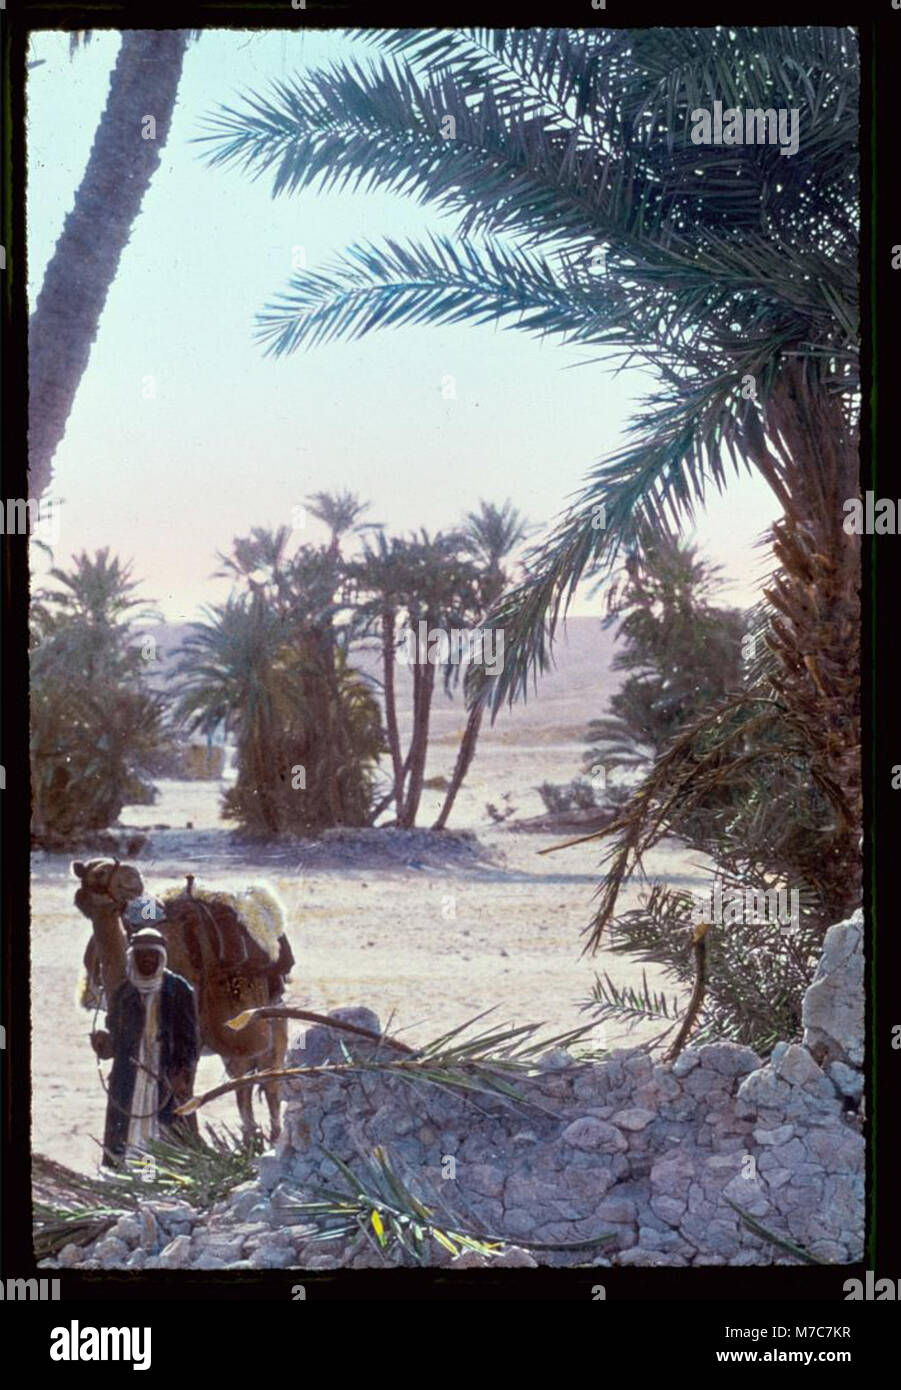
[833,1009]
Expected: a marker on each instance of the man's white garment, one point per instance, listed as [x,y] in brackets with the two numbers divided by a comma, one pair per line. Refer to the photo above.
[144,1121]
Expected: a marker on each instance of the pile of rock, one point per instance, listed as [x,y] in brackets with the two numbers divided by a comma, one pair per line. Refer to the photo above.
[659,1159]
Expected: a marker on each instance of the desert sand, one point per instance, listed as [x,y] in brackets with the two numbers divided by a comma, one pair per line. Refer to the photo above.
[427,939]
[429,945]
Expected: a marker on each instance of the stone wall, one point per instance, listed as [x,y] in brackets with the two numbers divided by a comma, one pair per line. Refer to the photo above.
[656,1157]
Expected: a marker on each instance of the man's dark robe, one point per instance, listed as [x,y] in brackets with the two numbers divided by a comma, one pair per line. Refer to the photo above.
[179,1050]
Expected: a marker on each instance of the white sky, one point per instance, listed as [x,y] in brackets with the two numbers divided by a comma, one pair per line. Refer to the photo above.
[232,439]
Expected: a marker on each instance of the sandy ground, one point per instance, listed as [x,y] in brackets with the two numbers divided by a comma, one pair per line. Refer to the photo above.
[431,945]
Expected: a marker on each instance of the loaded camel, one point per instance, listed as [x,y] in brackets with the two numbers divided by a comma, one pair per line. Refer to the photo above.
[208,943]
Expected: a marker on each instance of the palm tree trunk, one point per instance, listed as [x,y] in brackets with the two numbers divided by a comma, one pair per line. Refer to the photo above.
[335,741]
[38,825]
[84,264]
[262,762]
[816,628]
[465,755]
[388,662]
[423,685]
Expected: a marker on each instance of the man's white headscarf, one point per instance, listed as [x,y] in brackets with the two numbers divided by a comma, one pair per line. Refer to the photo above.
[146,940]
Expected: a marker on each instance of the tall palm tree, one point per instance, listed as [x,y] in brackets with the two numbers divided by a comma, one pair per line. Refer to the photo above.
[427,580]
[491,533]
[730,272]
[378,582]
[125,155]
[340,511]
[442,595]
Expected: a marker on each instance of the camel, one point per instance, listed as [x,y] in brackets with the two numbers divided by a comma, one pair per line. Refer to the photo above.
[221,991]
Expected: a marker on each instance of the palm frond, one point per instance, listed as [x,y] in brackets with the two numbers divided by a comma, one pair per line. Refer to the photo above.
[438,282]
[610,1000]
[377,1202]
[486,1063]
[72,1208]
[781,1242]
[374,1200]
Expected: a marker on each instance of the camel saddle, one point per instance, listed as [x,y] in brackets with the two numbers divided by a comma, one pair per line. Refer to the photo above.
[246,940]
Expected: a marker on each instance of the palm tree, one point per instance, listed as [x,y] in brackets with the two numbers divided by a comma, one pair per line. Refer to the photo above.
[442,596]
[426,583]
[491,533]
[683,652]
[271,664]
[730,272]
[95,725]
[232,675]
[377,582]
[97,589]
[124,158]
[340,511]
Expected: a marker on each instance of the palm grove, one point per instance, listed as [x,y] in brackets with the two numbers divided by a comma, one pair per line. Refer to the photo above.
[272,668]
[729,272]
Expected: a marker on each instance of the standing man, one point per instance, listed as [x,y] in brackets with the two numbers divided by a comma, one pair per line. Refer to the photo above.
[153,1039]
